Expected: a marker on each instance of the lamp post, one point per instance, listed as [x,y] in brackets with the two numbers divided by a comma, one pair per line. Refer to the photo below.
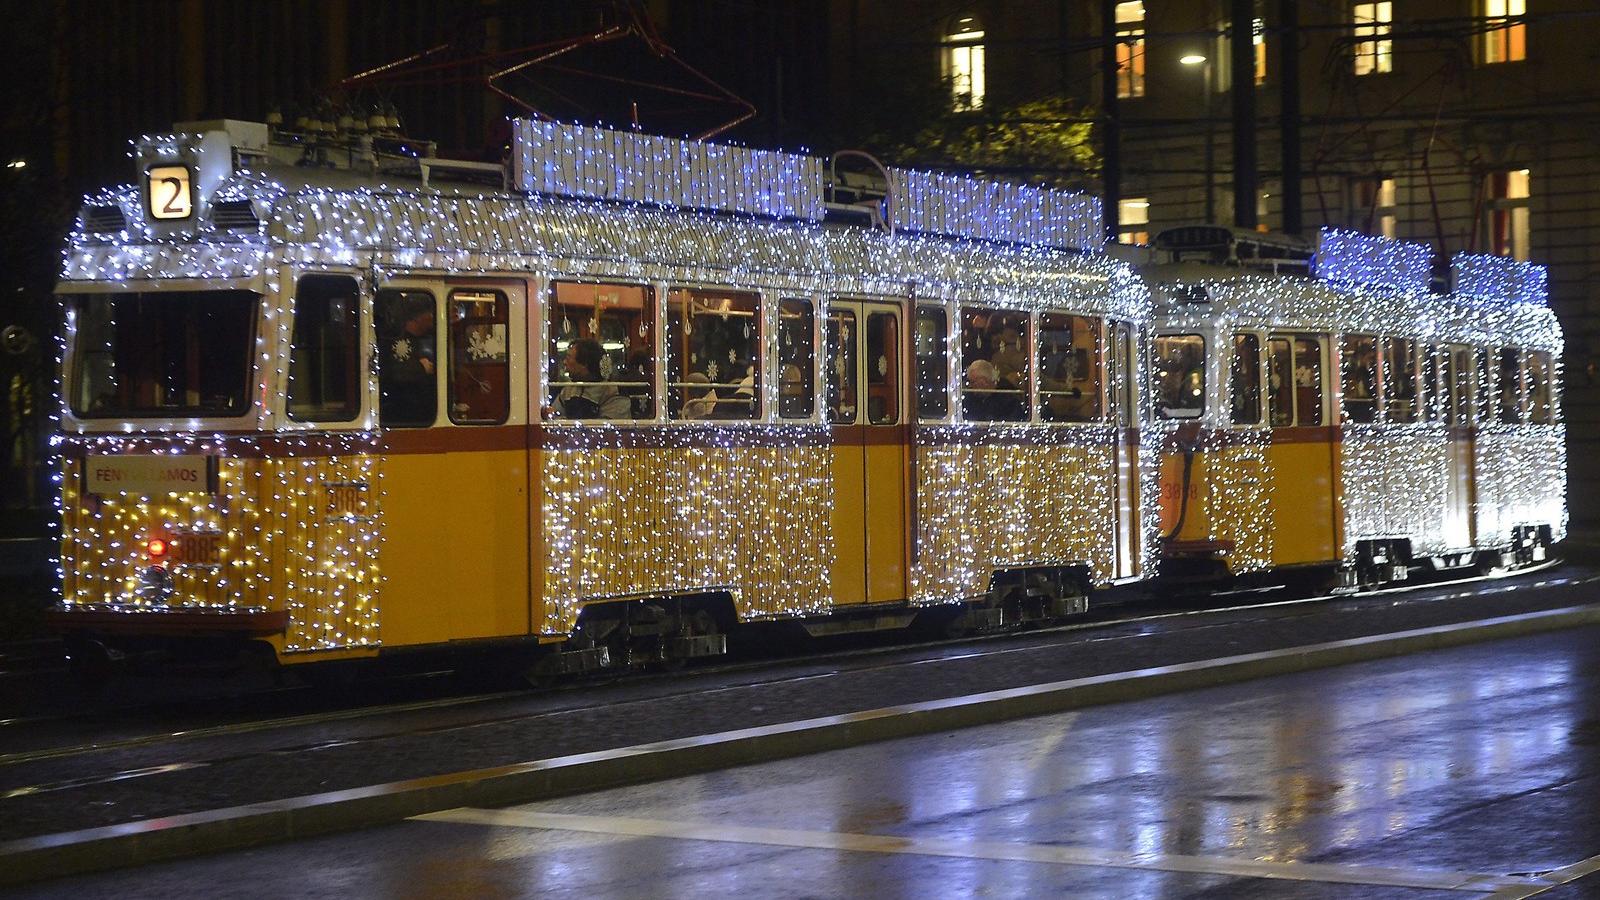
[1196,59]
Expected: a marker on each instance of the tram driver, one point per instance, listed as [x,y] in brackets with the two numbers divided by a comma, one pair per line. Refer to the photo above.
[409,391]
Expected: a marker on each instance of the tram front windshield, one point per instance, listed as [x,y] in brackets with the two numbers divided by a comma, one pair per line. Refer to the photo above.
[165,354]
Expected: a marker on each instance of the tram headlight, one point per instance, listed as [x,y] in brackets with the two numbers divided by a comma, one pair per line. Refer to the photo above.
[155,585]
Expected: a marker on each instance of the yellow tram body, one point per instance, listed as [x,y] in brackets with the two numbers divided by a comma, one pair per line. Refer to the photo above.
[327,534]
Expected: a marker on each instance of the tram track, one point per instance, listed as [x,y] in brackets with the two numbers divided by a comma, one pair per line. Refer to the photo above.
[811,667]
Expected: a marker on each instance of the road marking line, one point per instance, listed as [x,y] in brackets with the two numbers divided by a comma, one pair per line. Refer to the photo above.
[1549,880]
[991,850]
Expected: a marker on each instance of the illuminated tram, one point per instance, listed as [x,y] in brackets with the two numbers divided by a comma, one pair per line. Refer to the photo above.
[329,398]
[1356,420]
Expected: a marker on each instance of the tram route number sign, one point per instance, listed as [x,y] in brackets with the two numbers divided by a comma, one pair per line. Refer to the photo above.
[151,475]
[169,192]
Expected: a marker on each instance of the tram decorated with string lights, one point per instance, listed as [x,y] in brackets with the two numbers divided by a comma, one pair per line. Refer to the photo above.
[327,400]
[1353,416]
[338,401]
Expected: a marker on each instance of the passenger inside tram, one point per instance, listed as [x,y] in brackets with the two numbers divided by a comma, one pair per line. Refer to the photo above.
[716,333]
[995,382]
[586,395]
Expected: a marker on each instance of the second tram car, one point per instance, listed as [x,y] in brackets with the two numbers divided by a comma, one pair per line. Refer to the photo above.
[635,396]
[1357,420]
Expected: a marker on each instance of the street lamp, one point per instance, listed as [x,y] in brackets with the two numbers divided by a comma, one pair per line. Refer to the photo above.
[1196,59]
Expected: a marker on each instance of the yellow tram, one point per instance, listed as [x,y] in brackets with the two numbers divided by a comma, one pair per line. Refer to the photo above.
[1358,418]
[340,398]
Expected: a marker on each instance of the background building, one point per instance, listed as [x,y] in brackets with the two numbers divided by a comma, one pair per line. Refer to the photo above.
[1464,124]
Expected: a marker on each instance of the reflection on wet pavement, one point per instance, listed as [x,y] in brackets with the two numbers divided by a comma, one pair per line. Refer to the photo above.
[1443,774]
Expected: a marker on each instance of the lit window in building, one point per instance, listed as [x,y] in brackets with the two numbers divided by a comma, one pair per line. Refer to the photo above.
[1258,37]
[1374,210]
[1504,41]
[1130,49]
[1507,211]
[1222,75]
[1133,220]
[963,63]
[1374,49]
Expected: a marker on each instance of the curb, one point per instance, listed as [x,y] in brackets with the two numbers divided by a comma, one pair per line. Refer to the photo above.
[153,840]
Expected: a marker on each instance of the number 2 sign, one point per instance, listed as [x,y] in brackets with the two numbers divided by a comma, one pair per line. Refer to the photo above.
[167,192]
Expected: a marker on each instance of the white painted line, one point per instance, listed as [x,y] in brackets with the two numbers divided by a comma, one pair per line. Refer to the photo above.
[991,850]
[1549,880]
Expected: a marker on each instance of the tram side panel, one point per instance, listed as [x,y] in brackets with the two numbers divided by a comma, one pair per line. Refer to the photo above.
[1012,498]
[749,514]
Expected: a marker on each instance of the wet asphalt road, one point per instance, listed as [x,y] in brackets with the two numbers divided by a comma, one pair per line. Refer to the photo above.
[162,773]
[1445,774]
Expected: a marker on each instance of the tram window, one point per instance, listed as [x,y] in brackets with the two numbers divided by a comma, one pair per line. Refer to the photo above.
[1179,362]
[713,353]
[1458,378]
[1511,390]
[408,388]
[1122,372]
[1294,381]
[324,356]
[1432,407]
[931,344]
[601,351]
[480,364]
[1359,360]
[1070,354]
[797,386]
[1245,380]
[1541,409]
[162,354]
[994,364]
[1280,382]
[841,339]
[883,368]
[1485,385]
[1400,380]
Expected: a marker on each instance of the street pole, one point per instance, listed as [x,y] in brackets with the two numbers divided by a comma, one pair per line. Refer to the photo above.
[1111,128]
[1211,141]
[1289,106]
[1243,66]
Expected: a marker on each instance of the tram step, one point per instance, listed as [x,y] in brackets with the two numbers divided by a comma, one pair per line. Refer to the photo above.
[572,662]
[682,647]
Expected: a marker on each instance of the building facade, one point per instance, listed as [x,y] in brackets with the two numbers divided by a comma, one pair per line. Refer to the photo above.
[1463,124]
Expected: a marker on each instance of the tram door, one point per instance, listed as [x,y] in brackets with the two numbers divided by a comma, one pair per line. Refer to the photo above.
[1124,407]
[1302,452]
[864,403]
[455,480]
[1455,395]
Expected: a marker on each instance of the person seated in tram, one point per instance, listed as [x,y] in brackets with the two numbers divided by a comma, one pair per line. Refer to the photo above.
[986,399]
[698,400]
[792,400]
[586,395]
[741,404]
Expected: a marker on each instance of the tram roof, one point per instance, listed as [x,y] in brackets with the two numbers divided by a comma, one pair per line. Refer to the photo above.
[316,217]
[1195,295]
